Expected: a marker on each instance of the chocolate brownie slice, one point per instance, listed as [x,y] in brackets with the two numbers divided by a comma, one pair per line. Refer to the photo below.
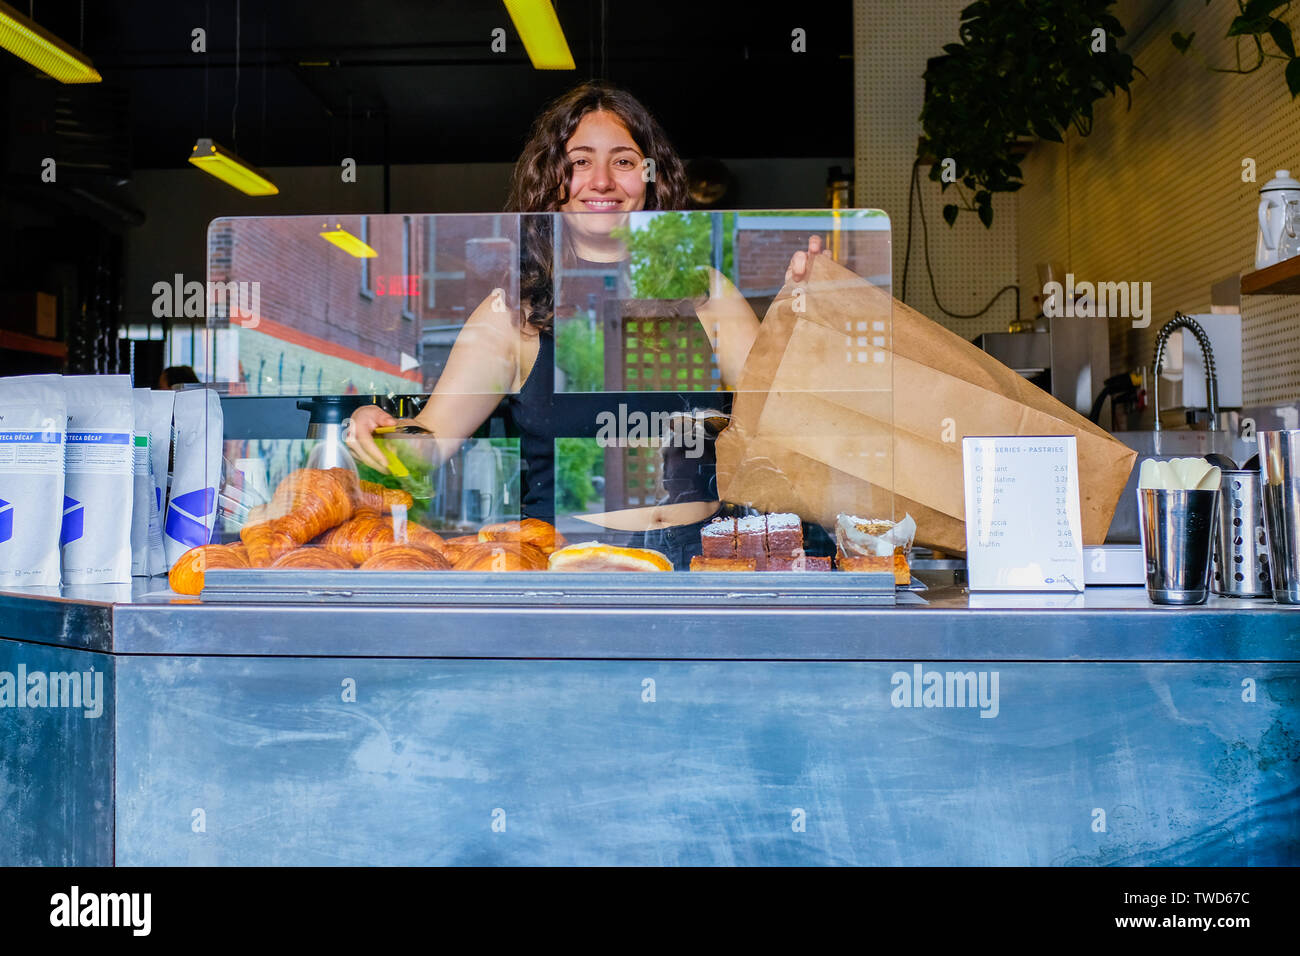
[718,538]
[751,536]
[784,534]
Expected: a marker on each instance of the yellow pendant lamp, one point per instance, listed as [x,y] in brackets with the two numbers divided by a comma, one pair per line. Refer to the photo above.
[216,160]
[43,50]
[539,29]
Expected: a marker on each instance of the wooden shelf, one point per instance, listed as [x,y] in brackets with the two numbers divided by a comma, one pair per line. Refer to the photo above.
[1280,279]
[17,342]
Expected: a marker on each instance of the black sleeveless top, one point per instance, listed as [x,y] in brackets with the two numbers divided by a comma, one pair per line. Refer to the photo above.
[540,416]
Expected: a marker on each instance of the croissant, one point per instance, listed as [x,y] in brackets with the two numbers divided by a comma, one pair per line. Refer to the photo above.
[308,502]
[374,498]
[532,531]
[186,575]
[502,556]
[418,534]
[453,548]
[358,538]
[405,557]
[318,558]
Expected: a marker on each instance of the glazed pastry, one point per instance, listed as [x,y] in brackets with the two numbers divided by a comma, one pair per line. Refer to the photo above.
[308,502]
[594,556]
[318,558]
[532,531]
[703,563]
[405,557]
[502,556]
[186,575]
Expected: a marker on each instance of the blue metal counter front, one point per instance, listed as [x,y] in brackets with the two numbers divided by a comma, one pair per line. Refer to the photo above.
[967,731]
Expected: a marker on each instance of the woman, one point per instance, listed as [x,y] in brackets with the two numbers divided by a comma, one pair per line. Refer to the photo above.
[587,155]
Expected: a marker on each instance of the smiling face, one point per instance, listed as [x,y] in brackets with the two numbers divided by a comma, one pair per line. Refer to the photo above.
[606,175]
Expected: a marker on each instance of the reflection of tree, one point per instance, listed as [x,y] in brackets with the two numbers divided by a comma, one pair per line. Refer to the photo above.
[669,252]
[576,460]
[580,354]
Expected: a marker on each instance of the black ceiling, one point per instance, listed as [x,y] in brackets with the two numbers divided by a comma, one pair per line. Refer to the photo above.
[415,81]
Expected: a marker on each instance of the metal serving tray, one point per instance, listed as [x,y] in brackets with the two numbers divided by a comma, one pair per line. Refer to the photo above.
[766,588]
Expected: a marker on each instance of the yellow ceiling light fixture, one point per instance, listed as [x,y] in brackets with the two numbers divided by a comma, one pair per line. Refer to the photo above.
[216,160]
[347,242]
[539,28]
[43,50]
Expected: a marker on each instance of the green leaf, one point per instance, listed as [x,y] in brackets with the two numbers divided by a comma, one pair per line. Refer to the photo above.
[986,216]
[1281,34]
[1261,9]
[1293,77]
[1182,43]
[1246,26]
[1048,131]
[950,213]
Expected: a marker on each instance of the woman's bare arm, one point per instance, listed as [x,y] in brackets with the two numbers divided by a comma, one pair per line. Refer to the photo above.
[481,368]
[730,324]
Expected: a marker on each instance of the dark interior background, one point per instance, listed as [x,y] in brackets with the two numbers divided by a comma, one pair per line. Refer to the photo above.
[293,86]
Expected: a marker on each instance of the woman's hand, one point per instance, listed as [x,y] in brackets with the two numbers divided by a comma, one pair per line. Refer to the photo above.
[357,436]
[801,262]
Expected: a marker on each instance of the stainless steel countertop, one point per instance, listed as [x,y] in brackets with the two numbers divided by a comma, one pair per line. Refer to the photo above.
[942,623]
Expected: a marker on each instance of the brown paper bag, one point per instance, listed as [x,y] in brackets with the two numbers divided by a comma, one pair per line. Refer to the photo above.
[851,401]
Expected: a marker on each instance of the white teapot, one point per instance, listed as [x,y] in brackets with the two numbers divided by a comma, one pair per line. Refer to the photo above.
[1274,196]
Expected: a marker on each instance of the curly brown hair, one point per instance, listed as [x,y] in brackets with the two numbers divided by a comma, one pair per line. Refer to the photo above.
[540,182]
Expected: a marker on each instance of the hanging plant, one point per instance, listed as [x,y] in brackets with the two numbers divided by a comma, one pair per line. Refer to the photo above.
[1023,69]
[1257,20]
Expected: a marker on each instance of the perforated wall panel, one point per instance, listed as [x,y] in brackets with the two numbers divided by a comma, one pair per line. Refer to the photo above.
[892,41]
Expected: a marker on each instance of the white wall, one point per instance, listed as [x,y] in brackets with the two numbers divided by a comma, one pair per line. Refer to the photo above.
[1155,193]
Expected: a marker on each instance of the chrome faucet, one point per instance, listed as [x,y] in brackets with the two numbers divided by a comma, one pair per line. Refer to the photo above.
[1180,321]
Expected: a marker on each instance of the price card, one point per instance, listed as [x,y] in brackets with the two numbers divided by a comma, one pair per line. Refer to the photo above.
[1023,530]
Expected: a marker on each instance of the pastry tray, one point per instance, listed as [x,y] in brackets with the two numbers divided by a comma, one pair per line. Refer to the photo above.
[555,588]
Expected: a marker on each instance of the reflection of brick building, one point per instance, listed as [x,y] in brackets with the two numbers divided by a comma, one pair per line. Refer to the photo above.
[328,321]
[765,243]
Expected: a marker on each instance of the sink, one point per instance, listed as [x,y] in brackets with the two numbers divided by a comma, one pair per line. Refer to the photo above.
[1166,444]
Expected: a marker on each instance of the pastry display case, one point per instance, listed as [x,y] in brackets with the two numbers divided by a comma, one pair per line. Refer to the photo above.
[570,393]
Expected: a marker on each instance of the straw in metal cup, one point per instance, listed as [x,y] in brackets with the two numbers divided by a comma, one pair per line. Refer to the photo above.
[1279,473]
[1240,548]
[1177,530]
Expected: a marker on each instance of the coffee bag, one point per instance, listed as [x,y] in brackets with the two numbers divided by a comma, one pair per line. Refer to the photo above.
[99,478]
[196,476]
[33,422]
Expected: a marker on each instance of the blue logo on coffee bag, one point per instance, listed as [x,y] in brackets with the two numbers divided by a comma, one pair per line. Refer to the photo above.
[74,521]
[187,514]
[6,520]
